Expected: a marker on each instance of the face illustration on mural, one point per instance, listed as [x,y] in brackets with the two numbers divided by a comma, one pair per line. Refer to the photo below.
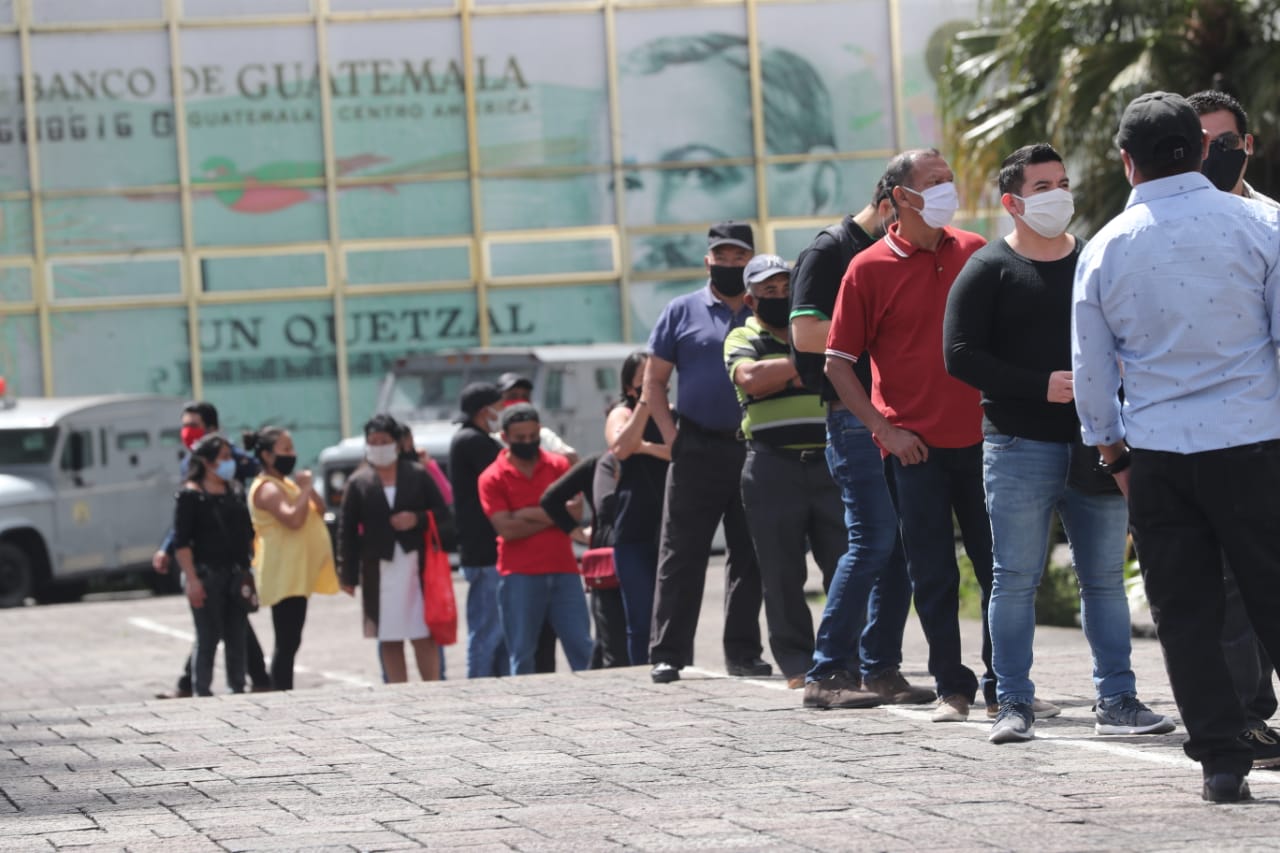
[685,100]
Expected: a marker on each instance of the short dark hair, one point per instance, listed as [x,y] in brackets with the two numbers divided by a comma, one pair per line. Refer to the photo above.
[630,367]
[881,192]
[1211,101]
[1013,169]
[261,441]
[518,413]
[383,423]
[901,167]
[207,412]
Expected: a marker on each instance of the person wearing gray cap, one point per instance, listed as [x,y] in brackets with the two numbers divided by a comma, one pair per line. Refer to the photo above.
[706,463]
[1180,295]
[472,450]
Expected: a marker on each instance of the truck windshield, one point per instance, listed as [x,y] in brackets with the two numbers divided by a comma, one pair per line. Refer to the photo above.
[435,393]
[27,446]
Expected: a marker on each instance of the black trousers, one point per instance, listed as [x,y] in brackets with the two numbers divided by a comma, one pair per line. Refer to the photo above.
[610,622]
[703,487]
[288,615]
[1188,512]
[255,663]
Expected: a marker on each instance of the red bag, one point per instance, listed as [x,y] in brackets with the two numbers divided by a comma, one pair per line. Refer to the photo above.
[597,569]
[440,607]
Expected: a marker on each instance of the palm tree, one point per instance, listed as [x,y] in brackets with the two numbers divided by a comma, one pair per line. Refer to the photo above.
[1062,71]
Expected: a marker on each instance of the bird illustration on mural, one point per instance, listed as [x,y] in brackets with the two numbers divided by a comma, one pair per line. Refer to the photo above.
[267,188]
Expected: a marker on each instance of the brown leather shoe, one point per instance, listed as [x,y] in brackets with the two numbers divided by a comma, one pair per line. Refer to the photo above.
[262,688]
[895,690]
[838,690]
[795,682]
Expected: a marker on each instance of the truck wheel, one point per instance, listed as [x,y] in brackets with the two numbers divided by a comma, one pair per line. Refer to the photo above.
[17,576]
[62,592]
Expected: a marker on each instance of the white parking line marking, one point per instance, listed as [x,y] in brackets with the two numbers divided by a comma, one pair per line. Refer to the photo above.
[187,637]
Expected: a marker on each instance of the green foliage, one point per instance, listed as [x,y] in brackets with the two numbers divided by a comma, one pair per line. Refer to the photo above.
[1062,71]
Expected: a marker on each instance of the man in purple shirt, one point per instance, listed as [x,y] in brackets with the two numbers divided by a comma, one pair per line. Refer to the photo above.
[706,466]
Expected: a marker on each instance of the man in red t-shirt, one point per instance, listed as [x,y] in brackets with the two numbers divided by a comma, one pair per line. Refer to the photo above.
[538,573]
[928,424]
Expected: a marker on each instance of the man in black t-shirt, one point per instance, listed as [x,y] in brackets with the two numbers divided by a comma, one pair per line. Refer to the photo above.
[470,452]
[1007,332]
[873,569]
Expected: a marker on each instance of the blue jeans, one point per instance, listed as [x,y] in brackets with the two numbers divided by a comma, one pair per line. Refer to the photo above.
[486,651]
[926,495]
[637,566]
[525,602]
[870,593]
[1026,483]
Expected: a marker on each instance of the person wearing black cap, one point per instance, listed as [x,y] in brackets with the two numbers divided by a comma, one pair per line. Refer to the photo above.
[519,389]
[706,463]
[1180,295]
[470,452]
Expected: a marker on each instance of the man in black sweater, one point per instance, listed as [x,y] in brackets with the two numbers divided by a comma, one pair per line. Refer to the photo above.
[1007,332]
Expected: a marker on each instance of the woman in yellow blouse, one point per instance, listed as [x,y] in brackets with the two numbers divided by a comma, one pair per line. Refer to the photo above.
[293,555]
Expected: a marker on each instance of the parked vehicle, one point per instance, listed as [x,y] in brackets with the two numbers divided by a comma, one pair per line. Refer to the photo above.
[86,490]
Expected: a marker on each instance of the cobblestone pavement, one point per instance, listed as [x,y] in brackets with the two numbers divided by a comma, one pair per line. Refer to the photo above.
[591,761]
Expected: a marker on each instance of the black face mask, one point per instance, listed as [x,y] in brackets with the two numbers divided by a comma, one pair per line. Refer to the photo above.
[774,311]
[1223,167]
[525,449]
[727,280]
[286,464]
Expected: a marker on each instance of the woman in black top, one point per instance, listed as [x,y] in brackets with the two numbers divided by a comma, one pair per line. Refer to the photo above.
[213,539]
[636,441]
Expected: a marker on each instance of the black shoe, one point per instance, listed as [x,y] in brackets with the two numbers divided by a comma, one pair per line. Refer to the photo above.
[1226,788]
[1265,743]
[755,668]
[664,673]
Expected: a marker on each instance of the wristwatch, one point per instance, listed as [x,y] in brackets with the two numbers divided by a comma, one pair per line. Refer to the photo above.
[1121,463]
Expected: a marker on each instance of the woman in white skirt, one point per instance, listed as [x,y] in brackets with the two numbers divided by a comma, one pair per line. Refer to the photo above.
[381,537]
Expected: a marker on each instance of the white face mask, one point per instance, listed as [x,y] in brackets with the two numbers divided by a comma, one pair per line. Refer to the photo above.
[1048,213]
[381,455]
[940,204]
[493,421]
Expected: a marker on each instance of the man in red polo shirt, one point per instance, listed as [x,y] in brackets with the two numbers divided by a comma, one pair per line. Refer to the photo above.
[538,573]
[928,424]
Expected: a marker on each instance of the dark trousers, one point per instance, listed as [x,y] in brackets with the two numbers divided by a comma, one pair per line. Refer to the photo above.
[637,566]
[610,622]
[288,615]
[255,664]
[926,494]
[1188,511]
[218,620]
[1250,666]
[703,487]
[544,657]
[792,505]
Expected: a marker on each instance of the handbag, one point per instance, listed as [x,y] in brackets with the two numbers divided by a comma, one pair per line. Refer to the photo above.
[244,590]
[440,608]
[597,569]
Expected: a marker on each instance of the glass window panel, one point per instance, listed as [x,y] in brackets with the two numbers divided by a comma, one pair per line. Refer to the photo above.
[6,11]
[401,113]
[822,187]
[452,263]
[828,93]
[262,272]
[147,346]
[111,224]
[538,103]
[923,52]
[125,277]
[648,298]
[519,203]
[13,130]
[380,329]
[241,8]
[386,5]
[298,215]
[677,250]
[523,316]
[702,55]
[15,227]
[434,209]
[20,353]
[273,363]
[15,286]
[104,112]
[790,242]
[557,256]
[71,11]
[690,193]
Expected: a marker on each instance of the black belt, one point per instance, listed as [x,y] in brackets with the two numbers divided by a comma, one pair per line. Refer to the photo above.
[693,426]
[808,454]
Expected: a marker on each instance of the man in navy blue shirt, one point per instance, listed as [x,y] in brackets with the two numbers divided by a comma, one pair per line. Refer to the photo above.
[706,465]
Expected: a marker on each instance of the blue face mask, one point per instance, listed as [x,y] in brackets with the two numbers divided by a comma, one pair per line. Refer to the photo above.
[226,469]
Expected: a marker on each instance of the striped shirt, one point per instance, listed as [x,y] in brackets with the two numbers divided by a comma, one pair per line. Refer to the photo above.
[792,418]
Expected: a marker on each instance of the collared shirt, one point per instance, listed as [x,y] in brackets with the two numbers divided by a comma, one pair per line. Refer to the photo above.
[892,301]
[1181,292]
[690,334]
[504,488]
[789,417]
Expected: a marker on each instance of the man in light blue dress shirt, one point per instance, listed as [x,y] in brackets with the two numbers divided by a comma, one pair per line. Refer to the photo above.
[1180,294]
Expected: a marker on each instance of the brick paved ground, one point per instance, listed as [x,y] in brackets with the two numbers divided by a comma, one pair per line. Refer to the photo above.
[594,761]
